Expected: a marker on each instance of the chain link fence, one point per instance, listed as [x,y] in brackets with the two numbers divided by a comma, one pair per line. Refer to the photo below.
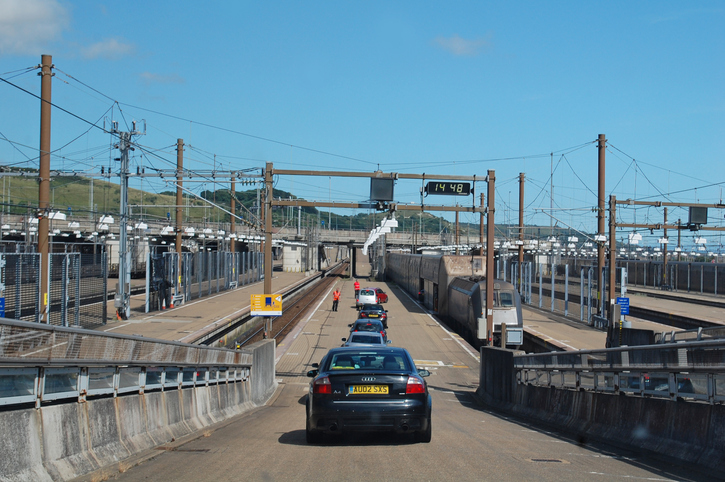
[175,279]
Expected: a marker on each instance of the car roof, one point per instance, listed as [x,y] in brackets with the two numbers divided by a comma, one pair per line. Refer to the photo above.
[367,320]
[372,306]
[360,334]
[389,350]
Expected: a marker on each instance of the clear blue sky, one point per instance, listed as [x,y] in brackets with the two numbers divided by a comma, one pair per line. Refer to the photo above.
[434,87]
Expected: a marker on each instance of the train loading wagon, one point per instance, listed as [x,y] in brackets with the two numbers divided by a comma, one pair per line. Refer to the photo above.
[455,288]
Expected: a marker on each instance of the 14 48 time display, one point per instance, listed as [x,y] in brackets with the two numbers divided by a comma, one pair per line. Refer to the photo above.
[450,188]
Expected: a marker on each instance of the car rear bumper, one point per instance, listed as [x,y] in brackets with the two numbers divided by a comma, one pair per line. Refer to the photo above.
[342,416]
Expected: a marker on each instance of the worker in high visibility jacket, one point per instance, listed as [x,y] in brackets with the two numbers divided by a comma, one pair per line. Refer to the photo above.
[357,288]
[335,299]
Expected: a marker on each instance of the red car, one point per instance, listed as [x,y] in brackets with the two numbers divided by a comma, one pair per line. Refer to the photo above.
[380,296]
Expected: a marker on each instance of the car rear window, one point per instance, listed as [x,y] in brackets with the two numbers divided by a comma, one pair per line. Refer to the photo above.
[365,338]
[367,293]
[368,361]
[373,308]
[368,326]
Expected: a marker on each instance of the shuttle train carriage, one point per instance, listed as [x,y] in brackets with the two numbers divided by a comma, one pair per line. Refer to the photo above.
[455,287]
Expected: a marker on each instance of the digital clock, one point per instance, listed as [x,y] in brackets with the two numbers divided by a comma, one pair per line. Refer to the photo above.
[450,188]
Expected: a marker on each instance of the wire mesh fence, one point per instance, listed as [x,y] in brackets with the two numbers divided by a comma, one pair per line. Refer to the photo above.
[20,285]
[77,288]
[175,278]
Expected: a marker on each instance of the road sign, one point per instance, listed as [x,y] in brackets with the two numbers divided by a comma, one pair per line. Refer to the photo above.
[266,305]
[623,305]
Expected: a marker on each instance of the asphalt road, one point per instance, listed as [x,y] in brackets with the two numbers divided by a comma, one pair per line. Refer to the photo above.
[469,441]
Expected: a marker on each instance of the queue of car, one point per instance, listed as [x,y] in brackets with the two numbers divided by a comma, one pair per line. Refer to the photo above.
[367,385]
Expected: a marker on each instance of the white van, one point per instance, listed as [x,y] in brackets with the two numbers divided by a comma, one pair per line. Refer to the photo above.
[366,296]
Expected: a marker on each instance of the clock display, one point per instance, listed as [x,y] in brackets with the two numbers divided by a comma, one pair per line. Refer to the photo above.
[450,188]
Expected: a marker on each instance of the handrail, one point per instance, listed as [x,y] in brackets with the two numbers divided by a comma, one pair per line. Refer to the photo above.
[686,369]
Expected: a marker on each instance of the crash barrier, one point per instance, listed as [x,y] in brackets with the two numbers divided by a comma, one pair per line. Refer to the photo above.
[668,400]
[76,401]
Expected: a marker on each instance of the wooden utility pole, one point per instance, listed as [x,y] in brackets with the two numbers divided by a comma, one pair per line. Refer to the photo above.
[489,257]
[232,227]
[664,260]
[521,229]
[268,262]
[46,76]
[179,198]
[612,258]
[480,234]
[601,147]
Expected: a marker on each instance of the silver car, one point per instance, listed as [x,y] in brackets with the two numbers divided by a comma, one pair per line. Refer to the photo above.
[365,338]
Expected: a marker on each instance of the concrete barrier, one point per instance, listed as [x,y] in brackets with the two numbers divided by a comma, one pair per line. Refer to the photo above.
[689,431]
[65,441]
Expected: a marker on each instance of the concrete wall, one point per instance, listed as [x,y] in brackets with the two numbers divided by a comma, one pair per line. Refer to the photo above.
[689,431]
[60,442]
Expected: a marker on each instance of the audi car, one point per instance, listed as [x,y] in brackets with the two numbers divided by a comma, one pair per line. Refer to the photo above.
[368,389]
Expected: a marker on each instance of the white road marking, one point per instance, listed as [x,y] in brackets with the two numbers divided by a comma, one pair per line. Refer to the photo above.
[116,327]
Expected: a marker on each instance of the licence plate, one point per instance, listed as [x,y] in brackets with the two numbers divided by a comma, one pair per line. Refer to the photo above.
[368,389]
[373,316]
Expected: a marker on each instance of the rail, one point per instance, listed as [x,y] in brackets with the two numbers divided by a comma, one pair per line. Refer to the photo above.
[685,370]
[697,334]
[42,363]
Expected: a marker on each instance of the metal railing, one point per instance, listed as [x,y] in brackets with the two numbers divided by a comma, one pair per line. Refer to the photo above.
[687,370]
[41,363]
[696,334]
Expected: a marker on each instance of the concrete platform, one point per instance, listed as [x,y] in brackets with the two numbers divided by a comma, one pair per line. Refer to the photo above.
[186,321]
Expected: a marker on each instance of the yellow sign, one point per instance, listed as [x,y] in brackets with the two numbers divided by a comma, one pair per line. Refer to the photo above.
[266,305]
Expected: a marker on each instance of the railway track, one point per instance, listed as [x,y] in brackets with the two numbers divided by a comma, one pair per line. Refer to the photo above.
[294,311]
[662,317]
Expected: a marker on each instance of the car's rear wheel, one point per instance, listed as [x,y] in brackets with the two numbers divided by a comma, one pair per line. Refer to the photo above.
[313,436]
[424,436]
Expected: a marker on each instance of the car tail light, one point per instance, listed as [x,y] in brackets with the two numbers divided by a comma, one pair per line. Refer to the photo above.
[382,333]
[415,385]
[323,386]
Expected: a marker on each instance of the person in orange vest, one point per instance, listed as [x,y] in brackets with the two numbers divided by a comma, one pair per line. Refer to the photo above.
[335,299]
[357,288]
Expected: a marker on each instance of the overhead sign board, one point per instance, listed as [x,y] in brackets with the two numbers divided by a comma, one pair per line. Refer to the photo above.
[266,305]
[449,188]
[382,189]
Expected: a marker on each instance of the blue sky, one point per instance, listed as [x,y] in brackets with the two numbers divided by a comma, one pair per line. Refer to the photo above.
[434,87]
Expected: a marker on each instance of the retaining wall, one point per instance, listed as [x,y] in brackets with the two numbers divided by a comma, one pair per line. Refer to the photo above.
[60,442]
[692,432]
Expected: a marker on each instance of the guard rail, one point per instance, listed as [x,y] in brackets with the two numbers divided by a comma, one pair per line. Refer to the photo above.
[692,370]
[41,363]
